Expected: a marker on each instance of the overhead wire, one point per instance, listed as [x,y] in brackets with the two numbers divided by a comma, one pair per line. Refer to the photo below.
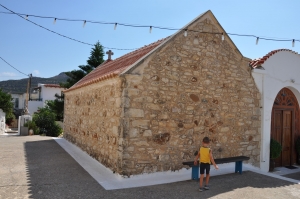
[13,67]
[146,26]
[59,33]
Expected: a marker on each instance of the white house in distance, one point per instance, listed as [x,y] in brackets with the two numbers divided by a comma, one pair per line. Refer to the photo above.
[19,100]
[43,93]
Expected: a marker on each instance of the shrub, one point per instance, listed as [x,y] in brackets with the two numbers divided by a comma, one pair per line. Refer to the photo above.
[275,149]
[32,125]
[7,106]
[55,130]
[45,120]
[9,118]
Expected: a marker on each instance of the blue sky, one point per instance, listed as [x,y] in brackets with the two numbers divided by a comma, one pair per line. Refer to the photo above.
[34,50]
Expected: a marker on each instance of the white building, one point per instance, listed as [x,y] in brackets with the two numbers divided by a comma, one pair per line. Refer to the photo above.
[277,77]
[19,100]
[2,122]
[43,93]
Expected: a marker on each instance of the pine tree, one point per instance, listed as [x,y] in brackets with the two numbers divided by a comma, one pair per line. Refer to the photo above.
[97,55]
[95,59]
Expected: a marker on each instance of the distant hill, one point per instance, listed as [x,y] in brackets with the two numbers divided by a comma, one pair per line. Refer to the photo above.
[20,86]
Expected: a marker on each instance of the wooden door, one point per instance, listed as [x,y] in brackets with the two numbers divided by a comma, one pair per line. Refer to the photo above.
[285,125]
[277,133]
[283,134]
[286,138]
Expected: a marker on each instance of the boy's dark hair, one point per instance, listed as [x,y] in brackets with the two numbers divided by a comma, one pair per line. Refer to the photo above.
[205,140]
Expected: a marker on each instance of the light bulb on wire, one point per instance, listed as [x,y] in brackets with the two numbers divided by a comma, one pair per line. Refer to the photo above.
[185,32]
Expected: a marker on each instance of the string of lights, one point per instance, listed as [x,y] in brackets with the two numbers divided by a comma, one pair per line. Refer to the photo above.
[13,67]
[62,34]
[26,16]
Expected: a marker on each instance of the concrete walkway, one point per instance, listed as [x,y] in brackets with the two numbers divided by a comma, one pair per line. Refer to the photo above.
[38,167]
[12,131]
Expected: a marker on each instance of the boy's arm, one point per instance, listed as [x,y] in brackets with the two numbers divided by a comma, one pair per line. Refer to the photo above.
[212,160]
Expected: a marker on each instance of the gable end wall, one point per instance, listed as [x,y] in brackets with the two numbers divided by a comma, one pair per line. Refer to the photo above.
[192,87]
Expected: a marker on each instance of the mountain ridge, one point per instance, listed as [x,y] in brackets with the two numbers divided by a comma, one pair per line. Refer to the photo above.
[20,86]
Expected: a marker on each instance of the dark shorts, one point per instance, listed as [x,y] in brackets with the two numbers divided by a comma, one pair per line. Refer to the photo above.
[204,166]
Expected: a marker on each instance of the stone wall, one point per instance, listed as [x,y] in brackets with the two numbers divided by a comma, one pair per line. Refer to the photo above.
[194,86]
[92,120]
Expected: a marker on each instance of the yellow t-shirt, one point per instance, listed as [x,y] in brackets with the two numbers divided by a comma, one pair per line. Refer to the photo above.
[204,155]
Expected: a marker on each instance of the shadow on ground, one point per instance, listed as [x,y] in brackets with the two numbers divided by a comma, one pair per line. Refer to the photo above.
[295,176]
[247,185]
[52,173]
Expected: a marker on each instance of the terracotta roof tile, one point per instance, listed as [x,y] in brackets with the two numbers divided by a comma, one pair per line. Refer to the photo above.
[52,85]
[258,62]
[112,68]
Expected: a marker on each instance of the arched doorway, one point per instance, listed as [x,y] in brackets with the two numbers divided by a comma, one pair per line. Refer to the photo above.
[285,125]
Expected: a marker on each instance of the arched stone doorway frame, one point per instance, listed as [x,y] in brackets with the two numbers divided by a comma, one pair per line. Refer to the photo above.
[285,118]
[268,97]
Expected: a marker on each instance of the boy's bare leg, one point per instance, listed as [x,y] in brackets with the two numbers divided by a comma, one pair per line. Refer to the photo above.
[201,180]
[207,179]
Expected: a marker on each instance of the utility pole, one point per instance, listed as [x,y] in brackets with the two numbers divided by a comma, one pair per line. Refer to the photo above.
[30,76]
[27,95]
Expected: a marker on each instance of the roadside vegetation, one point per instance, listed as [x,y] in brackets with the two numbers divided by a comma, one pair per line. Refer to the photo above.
[7,106]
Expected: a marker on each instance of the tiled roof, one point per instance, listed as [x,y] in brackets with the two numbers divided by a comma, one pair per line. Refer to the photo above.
[258,62]
[112,68]
[52,85]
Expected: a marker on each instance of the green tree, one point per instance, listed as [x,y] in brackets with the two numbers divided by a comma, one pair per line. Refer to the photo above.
[74,77]
[95,59]
[45,121]
[7,106]
[57,106]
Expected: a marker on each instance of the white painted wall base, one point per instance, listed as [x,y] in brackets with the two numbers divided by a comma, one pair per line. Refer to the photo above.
[110,181]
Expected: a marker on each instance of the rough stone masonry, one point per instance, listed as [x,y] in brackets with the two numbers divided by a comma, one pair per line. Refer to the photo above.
[154,117]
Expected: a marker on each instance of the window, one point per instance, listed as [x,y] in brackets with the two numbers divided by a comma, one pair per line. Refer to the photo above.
[16,102]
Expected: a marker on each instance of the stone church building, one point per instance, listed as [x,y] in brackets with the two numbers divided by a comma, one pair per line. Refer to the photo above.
[148,111]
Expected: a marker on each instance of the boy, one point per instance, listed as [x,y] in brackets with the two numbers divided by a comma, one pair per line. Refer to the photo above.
[205,160]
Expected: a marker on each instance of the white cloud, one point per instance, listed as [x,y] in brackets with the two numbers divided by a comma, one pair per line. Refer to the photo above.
[8,74]
[35,72]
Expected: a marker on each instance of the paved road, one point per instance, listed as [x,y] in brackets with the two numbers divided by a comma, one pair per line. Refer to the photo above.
[37,167]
